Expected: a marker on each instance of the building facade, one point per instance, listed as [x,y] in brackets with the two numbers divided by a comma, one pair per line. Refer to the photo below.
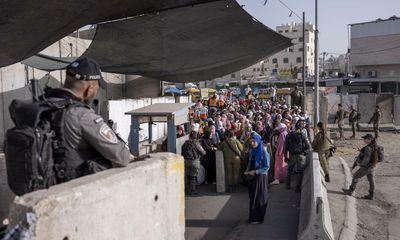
[286,64]
[375,52]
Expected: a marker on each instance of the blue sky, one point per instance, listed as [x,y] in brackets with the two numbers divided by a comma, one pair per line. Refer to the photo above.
[334,16]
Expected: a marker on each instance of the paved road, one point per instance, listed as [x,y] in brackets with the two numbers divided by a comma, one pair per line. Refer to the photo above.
[210,216]
[380,218]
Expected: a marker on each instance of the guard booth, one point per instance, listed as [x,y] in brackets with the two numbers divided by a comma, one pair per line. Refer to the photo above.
[174,114]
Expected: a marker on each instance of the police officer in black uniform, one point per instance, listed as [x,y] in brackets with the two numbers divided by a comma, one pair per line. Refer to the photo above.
[89,144]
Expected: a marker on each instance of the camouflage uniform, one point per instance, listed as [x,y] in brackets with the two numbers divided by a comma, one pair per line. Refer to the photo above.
[375,120]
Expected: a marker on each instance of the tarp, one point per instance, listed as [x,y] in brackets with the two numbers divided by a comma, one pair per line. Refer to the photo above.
[186,44]
[27,27]
[48,63]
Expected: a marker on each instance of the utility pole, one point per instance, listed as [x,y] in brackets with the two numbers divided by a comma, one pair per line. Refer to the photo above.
[316,71]
[304,63]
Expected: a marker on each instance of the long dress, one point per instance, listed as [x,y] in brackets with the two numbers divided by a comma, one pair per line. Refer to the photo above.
[258,187]
[208,160]
[280,166]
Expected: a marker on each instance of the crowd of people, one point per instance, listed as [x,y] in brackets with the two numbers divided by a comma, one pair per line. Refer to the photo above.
[264,141]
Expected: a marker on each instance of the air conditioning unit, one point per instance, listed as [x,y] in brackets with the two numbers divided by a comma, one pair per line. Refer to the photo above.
[372,74]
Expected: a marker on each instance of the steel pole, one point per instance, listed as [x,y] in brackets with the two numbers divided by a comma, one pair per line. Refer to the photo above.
[316,71]
[304,63]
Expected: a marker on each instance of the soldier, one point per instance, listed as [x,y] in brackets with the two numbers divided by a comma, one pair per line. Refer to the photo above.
[366,160]
[191,152]
[375,120]
[295,149]
[90,145]
[339,119]
[353,120]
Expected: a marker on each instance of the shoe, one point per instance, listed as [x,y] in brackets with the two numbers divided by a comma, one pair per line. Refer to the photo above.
[275,182]
[368,197]
[347,191]
[327,178]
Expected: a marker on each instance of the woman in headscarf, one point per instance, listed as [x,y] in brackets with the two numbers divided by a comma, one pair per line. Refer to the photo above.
[208,160]
[257,170]
[180,131]
[280,166]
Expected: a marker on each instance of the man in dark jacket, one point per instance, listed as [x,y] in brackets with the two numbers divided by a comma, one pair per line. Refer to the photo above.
[89,144]
[296,147]
[191,152]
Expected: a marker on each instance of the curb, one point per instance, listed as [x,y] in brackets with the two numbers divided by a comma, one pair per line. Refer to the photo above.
[349,229]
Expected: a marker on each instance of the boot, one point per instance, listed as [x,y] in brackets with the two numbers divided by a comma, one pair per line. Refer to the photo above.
[348,191]
[327,178]
[370,196]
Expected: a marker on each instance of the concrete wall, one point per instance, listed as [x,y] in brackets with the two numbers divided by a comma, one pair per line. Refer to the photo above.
[385,102]
[142,201]
[366,106]
[315,217]
[6,197]
[116,109]
[396,108]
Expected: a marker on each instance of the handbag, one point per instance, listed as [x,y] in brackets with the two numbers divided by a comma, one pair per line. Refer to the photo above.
[249,177]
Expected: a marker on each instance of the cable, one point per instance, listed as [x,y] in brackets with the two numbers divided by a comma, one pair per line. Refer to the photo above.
[291,11]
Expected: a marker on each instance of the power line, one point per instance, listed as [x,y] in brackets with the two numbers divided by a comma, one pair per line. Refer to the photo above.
[286,6]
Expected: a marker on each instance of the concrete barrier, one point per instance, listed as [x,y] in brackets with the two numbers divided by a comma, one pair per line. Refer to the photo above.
[142,201]
[220,171]
[315,217]
[6,195]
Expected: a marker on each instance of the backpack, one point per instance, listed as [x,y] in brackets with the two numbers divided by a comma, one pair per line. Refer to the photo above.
[32,146]
[189,151]
[296,143]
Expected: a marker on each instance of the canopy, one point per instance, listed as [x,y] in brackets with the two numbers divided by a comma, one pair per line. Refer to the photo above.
[27,27]
[185,44]
[173,90]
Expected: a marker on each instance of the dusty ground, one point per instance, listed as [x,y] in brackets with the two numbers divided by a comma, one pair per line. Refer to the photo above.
[380,218]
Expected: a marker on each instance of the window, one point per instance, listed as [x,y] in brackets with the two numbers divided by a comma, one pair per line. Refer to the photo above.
[294,30]
[286,60]
[274,70]
[280,31]
[258,69]
[233,75]
[290,49]
[274,60]
[286,31]
[388,87]
[308,48]
[254,69]
[300,39]
[298,60]
[265,69]
[300,49]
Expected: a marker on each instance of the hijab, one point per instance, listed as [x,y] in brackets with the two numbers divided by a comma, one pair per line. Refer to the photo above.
[258,152]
